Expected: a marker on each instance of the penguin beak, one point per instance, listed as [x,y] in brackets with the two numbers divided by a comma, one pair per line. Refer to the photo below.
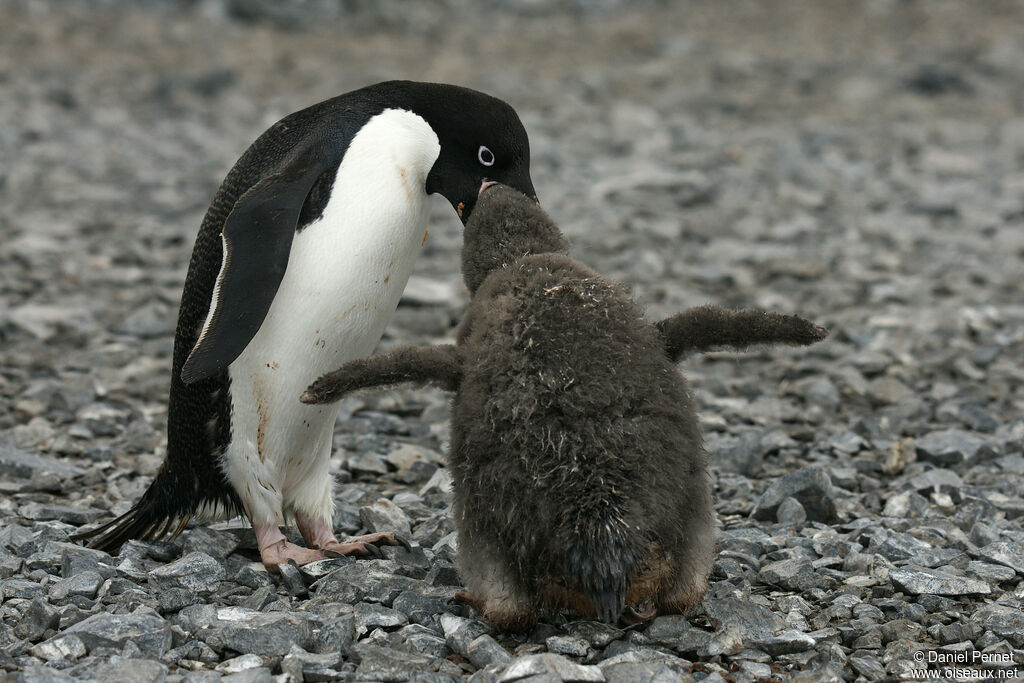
[486,184]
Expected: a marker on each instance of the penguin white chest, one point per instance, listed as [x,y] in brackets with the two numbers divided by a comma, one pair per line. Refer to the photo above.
[345,275]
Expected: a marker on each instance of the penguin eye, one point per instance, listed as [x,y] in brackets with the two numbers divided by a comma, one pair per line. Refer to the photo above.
[485,156]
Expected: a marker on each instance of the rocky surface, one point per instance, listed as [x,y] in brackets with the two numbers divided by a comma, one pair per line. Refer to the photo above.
[858,163]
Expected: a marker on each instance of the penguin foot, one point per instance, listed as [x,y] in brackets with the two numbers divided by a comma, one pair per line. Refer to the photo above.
[366,545]
[281,552]
[467,598]
[640,613]
[319,534]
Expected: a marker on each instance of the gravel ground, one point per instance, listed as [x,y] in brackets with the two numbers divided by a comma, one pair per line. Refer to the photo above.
[861,164]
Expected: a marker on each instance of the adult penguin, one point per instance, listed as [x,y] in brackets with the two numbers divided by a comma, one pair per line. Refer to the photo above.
[298,267]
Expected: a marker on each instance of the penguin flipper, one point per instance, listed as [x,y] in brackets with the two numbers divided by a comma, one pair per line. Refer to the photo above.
[438,365]
[257,238]
[707,328]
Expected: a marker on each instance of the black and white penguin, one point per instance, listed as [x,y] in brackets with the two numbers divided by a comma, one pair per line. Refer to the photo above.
[580,477]
[298,266]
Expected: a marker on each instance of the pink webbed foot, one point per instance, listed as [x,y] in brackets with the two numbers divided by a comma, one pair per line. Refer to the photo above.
[319,534]
[366,545]
[275,550]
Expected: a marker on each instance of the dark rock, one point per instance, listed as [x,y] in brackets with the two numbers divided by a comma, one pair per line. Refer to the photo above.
[261,633]
[568,646]
[76,559]
[64,646]
[385,516]
[791,512]
[484,651]
[197,572]
[385,664]
[1005,552]
[151,634]
[810,486]
[949,446]
[308,667]
[751,621]
[292,580]
[556,667]
[1005,621]
[794,575]
[84,584]
[35,620]
[443,573]
[921,580]
[597,634]
[212,542]
[369,616]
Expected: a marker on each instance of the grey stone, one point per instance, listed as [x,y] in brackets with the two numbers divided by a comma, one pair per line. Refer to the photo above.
[239,664]
[949,446]
[36,619]
[1003,620]
[791,512]
[84,584]
[151,634]
[64,513]
[937,479]
[384,515]
[597,634]
[291,579]
[867,666]
[568,646]
[784,643]
[361,581]
[61,646]
[552,665]
[261,633]
[484,651]
[213,542]
[126,670]
[642,672]
[810,486]
[386,664]
[369,616]
[197,572]
[668,629]
[459,633]
[422,605]
[751,620]
[17,464]
[990,573]
[793,574]
[76,559]
[921,580]
[40,674]
[896,547]
[304,666]
[1005,552]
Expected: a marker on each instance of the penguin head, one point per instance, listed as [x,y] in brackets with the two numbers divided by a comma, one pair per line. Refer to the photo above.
[506,226]
[481,139]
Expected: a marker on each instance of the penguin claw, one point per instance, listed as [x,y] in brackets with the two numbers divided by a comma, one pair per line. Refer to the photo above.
[366,545]
[466,598]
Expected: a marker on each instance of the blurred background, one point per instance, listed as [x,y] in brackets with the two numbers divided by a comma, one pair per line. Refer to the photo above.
[858,162]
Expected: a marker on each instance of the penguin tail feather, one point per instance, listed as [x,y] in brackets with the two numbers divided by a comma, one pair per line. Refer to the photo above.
[162,513]
[602,562]
[139,523]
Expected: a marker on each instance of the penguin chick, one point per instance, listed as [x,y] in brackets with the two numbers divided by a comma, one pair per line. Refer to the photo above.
[580,478]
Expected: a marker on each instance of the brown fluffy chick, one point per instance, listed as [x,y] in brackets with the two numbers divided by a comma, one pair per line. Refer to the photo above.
[580,479]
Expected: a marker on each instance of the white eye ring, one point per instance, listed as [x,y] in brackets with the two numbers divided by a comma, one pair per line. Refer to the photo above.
[485,156]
